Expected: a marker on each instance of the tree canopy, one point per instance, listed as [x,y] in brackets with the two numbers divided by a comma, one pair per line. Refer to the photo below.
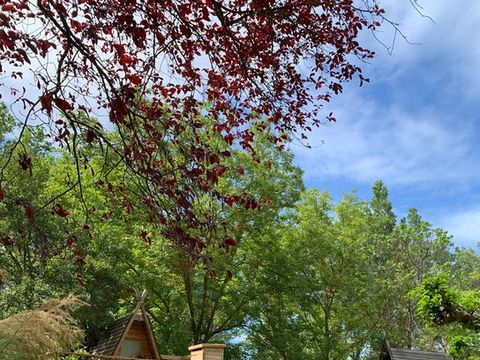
[150,151]
[155,70]
[303,277]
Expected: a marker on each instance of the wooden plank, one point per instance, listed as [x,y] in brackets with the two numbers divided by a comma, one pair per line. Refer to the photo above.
[111,357]
[163,357]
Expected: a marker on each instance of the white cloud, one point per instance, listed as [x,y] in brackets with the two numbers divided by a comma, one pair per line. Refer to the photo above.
[400,139]
[452,39]
[464,226]
[372,142]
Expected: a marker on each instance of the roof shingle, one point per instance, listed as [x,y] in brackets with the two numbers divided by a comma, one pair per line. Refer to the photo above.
[401,354]
[107,346]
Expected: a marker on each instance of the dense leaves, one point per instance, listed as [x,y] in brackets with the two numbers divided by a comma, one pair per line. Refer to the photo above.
[149,66]
[298,277]
[454,307]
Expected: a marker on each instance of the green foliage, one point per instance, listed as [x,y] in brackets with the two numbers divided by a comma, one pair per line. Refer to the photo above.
[464,344]
[435,299]
[442,304]
[7,121]
[305,277]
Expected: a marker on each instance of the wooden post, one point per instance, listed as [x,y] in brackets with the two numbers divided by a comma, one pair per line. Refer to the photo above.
[207,352]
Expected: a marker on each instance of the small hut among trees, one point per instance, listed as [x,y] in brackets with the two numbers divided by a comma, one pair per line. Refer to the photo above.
[131,337]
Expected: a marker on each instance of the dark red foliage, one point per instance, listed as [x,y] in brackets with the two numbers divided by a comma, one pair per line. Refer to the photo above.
[77,251]
[46,102]
[25,163]
[7,241]
[80,280]
[71,240]
[144,236]
[60,210]
[274,61]
[2,194]
[29,211]
[91,136]
[63,105]
[230,242]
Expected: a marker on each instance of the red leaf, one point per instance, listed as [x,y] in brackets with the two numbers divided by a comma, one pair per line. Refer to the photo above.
[2,194]
[219,170]
[71,239]
[63,105]
[120,49]
[144,236]
[80,280]
[196,171]
[8,7]
[29,211]
[134,79]
[90,136]
[25,163]
[7,241]
[230,200]
[119,110]
[230,242]
[60,211]
[46,101]
[125,59]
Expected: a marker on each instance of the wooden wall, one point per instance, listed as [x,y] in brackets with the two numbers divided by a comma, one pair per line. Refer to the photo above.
[138,331]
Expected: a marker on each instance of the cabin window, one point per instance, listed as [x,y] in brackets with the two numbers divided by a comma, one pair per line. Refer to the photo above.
[130,348]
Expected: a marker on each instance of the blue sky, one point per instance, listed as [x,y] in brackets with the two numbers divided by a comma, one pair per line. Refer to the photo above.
[416,125]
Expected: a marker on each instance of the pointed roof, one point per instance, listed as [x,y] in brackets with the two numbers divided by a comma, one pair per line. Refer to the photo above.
[118,330]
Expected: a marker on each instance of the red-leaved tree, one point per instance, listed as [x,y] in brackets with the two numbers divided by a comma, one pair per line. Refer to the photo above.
[155,69]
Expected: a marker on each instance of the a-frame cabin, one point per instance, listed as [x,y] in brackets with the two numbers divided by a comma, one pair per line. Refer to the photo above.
[130,336]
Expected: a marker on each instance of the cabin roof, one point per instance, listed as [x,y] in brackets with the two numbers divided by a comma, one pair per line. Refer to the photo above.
[401,354]
[116,330]
[120,327]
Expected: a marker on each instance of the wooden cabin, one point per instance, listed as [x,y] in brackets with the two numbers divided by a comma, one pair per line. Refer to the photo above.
[131,337]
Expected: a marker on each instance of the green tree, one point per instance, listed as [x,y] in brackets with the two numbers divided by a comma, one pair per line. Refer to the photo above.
[318,282]
[450,302]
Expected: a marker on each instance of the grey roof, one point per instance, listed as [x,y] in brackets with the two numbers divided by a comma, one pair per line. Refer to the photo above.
[115,331]
[400,354]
